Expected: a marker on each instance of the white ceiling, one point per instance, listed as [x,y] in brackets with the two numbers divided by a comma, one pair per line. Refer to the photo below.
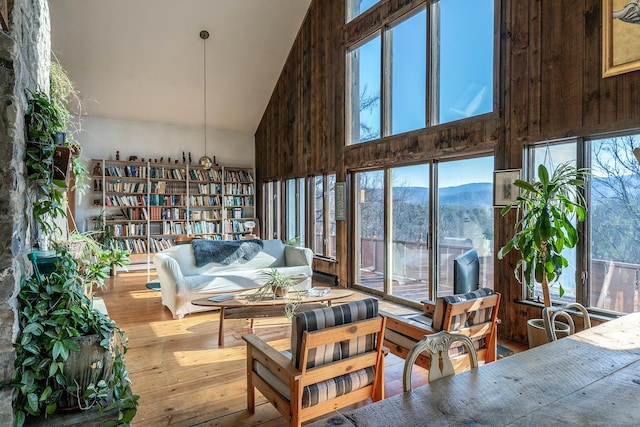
[142,60]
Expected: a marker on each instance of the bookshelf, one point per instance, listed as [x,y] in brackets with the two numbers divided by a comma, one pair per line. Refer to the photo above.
[147,205]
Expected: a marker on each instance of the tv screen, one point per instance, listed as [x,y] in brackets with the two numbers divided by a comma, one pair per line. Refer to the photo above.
[466,272]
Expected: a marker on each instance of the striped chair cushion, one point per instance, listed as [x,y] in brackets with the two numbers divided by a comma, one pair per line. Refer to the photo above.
[337,315]
[462,320]
[322,391]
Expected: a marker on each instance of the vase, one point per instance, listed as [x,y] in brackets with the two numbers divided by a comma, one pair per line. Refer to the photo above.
[280,291]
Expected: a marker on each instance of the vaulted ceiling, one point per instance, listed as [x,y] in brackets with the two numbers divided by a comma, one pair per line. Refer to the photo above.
[143,60]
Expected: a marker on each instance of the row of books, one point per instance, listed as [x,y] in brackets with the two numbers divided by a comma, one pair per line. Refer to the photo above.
[125,200]
[237,188]
[163,172]
[210,188]
[237,175]
[162,187]
[205,215]
[157,245]
[238,200]
[233,226]
[123,230]
[166,200]
[126,187]
[205,175]
[160,213]
[204,200]
[135,246]
[205,227]
[130,171]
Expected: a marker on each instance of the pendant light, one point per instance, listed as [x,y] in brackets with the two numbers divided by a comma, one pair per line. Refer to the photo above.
[205,161]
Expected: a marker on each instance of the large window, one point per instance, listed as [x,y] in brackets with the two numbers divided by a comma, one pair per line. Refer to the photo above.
[604,269]
[394,87]
[323,223]
[294,209]
[462,61]
[271,211]
[407,235]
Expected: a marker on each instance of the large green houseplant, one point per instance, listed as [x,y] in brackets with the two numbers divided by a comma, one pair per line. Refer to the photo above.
[56,319]
[546,213]
[546,210]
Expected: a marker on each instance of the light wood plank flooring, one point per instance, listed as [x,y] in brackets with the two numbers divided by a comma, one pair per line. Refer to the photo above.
[181,375]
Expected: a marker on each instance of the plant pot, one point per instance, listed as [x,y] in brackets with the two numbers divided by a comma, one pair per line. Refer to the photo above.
[89,365]
[538,335]
[280,291]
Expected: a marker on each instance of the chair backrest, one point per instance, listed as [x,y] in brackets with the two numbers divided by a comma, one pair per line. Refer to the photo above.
[328,317]
[549,315]
[438,346]
[482,314]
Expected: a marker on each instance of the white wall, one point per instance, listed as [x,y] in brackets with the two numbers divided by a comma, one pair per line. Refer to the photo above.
[101,138]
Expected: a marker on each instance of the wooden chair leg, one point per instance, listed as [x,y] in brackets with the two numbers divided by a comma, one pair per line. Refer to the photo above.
[251,393]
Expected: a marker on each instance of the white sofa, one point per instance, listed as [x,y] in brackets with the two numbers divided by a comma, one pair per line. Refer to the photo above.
[182,282]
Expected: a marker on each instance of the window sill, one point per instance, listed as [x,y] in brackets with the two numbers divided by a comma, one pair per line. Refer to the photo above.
[599,315]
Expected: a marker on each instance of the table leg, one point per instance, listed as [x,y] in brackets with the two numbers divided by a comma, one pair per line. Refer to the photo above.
[220,331]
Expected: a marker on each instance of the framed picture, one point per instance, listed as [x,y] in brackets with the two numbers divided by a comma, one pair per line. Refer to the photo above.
[341,205]
[504,192]
[620,37]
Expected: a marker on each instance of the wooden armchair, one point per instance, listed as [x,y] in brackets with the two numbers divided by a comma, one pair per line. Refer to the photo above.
[336,360]
[473,314]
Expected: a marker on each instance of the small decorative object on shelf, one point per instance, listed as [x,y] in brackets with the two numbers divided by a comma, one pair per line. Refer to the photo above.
[117,155]
[97,170]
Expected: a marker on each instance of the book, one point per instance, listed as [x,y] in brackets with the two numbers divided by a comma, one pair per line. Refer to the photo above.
[222,297]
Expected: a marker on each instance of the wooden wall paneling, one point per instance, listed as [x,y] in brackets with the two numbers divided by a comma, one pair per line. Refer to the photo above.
[591,62]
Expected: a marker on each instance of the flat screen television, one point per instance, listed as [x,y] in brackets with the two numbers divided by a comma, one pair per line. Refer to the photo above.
[466,272]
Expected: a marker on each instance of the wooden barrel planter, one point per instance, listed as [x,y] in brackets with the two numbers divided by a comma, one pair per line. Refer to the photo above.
[89,365]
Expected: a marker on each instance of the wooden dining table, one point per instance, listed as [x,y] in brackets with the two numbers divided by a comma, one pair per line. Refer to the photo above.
[591,378]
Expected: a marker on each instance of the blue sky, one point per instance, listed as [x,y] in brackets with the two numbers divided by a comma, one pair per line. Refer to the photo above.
[465,60]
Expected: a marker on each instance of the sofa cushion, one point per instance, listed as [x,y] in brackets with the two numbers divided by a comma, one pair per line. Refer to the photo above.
[322,318]
[465,319]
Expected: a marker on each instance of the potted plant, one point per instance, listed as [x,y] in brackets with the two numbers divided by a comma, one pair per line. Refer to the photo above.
[279,285]
[545,227]
[59,330]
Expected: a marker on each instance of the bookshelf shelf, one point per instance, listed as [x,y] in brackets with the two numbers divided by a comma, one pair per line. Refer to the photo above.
[148,205]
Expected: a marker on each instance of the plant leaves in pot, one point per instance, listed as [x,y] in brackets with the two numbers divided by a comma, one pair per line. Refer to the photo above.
[546,210]
[54,317]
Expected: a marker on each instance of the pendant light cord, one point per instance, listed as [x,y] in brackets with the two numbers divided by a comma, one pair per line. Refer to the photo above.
[204,35]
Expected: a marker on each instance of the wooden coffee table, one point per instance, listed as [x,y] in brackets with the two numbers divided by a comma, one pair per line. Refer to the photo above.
[241,307]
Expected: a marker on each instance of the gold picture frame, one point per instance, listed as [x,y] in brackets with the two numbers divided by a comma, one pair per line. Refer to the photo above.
[620,37]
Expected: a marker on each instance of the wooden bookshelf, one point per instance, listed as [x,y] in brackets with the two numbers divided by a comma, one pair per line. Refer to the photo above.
[148,205]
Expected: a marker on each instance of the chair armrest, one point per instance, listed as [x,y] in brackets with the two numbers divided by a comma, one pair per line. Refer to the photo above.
[428,306]
[407,326]
[272,359]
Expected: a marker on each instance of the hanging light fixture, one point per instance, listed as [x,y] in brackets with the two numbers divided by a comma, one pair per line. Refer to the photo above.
[205,161]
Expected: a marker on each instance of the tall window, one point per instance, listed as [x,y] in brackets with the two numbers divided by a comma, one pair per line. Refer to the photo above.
[387,74]
[294,208]
[462,61]
[271,212]
[407,235]
[323,223]
[364,86]
[604,269]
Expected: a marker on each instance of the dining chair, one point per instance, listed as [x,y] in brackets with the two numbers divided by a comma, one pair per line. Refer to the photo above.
[473,314]
[549,315]
[437,346]
[336,360]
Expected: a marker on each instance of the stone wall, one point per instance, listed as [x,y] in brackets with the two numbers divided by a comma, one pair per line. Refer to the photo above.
[24,64]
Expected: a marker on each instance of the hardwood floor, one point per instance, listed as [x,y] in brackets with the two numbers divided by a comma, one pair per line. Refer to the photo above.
[183,377]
